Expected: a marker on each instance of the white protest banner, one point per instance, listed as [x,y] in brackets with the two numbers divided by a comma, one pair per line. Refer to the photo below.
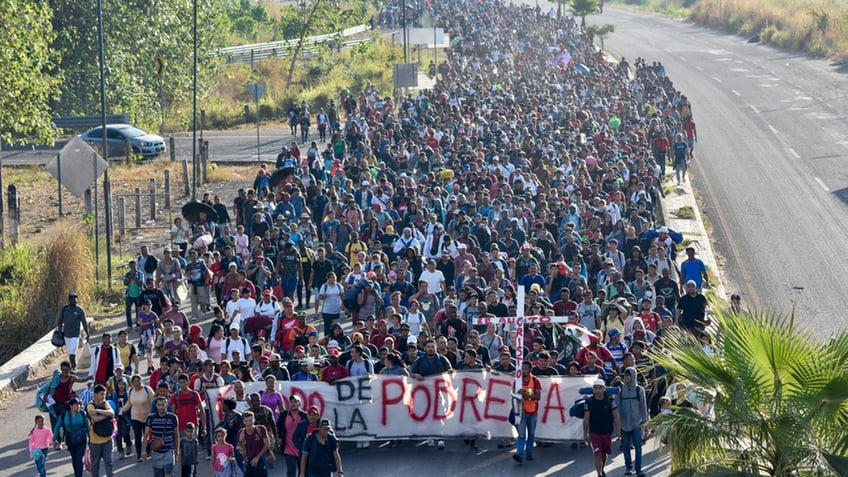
[458,404]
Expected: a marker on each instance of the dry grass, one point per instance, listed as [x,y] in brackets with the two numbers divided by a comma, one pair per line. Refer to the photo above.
[35,280]
[819,27]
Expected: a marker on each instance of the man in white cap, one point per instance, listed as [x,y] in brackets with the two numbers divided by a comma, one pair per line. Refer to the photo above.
[600,421]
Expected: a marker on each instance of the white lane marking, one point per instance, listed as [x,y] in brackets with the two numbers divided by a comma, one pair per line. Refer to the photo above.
[699,68]
[735,92]
[794,153]
[823,185]
[683,59]
[754,108]
[718,80]
[772,129]
[667,50]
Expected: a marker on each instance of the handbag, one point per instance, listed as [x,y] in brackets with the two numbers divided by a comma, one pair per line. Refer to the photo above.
[58,338]
[157,444]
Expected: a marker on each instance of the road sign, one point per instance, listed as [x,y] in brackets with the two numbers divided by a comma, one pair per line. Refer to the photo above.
[256,90]
[406,75]
[80,166]
[432,37]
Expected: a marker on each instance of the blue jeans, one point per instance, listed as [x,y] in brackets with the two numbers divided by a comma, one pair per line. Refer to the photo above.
[526,434]
[632,438]
[39,463]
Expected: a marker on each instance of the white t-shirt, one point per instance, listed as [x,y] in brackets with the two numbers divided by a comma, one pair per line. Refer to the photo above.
[246,306]
[266,309]
[434,280]
[232,311]
[239,345]
[415,320]
[332,303]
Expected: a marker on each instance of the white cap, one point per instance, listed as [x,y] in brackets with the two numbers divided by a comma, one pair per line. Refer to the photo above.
[599,382]
[333,344]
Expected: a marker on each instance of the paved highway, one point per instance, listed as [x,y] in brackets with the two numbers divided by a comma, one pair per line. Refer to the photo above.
[768,168]
[770,163]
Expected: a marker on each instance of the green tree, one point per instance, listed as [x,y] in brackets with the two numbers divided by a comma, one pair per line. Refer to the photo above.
[583,8]
[771,401]
[26,85]
[601,31]
[136,35]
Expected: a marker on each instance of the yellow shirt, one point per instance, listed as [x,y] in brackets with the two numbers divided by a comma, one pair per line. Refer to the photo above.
[92,436]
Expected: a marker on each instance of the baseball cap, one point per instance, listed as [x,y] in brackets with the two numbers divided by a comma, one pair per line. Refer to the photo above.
[176,329]
[325,423]
[333,344]
[333,352]
[300,348]
[266,293]
[599,382]
[314,409]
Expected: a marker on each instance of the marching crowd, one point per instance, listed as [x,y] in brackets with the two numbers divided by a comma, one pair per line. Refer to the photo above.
[535,162]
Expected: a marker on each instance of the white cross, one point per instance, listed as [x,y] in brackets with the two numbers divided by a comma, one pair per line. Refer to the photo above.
[520,320]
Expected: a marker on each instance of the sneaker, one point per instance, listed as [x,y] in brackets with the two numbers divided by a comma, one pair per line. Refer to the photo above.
[518,459]
[127,453]
[629,471]
[431,443]
[441,445]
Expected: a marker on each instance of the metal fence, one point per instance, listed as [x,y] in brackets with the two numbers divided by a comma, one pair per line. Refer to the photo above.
[260,51]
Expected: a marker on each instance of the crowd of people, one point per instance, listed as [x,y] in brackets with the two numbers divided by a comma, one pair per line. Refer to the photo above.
[535,162]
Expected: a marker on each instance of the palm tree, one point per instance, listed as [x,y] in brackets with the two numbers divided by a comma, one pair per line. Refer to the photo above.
[582,8]
[771,401]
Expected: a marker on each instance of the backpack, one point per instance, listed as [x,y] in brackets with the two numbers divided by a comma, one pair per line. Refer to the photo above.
[351,296]
[578,409]
[47,389]
[369,366]
[104,428]
[227,344]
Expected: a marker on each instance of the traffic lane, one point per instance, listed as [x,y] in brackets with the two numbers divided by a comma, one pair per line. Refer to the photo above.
[775,214]
[224,146]
[407,458]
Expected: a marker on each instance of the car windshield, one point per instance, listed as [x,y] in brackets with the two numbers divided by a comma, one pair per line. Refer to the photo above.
[132,132]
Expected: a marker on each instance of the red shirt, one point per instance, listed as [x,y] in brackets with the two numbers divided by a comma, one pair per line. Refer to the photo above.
[651,320]
[333,372]
[184,404]
[561,308]
[689,127]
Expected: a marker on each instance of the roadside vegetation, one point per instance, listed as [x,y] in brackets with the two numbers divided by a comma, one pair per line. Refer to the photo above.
[768,398]
[817,27]
[35,279]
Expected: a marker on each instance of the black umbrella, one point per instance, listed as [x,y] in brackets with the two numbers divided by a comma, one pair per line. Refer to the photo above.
[192,210]
[280,175]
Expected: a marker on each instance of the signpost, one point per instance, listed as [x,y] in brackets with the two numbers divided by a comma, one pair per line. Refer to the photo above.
[257,90]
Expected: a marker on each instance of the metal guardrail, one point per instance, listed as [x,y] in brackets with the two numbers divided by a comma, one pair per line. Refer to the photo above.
[84,122]
[258,51]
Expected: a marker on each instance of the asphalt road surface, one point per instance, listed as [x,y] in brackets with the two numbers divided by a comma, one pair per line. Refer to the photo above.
[770,161]
[768,166]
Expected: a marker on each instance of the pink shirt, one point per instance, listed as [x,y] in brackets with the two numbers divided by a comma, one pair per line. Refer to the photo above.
[40,438]
[292,421]
[222,454]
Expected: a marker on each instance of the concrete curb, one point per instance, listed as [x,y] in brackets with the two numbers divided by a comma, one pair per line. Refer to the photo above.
[15,372]
[693,229]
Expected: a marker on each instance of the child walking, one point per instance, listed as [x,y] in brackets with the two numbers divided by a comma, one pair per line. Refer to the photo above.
[40,438]
[223,455]
[188,452]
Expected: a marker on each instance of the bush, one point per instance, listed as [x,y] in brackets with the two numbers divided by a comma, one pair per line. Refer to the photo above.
[35,281]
